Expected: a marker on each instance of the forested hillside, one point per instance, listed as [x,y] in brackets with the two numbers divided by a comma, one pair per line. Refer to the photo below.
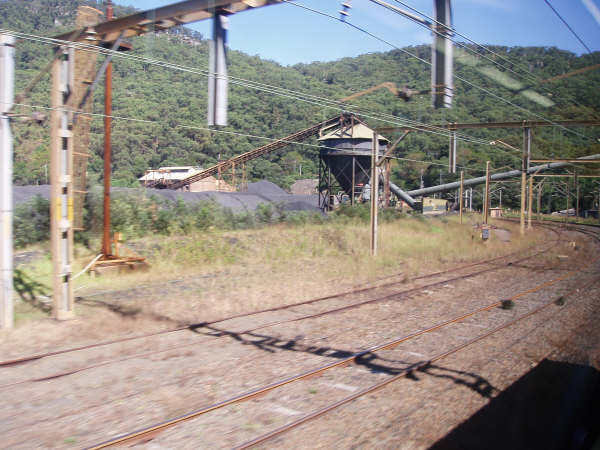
[171,104]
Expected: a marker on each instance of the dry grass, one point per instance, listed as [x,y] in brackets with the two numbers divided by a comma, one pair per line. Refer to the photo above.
[223,273]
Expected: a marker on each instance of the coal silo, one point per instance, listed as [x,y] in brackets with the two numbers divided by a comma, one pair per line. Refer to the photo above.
[345,161]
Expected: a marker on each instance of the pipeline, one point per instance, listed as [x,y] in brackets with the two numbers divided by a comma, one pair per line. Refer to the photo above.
[403,195]
[481,180]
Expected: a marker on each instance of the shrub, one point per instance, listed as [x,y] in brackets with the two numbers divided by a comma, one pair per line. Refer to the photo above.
[31,222]
[361,212]
[136,215]
[264,213]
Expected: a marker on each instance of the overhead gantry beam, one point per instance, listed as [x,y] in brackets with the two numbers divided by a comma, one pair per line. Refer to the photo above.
[166,17]
[521,124]
[570,161]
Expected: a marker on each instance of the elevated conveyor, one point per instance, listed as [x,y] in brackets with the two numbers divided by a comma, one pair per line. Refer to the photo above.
[237,161]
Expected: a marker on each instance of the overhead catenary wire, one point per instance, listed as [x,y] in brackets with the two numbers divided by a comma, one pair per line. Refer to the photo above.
[204,72]
[528,75]
[220,131]
[297,96]
[287,93]
[346,22]
[179,67]
[458,43]
[567,25]
[531,75]
[300,96]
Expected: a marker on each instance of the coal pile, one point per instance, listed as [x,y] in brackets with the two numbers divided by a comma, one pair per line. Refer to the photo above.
[265,187]
[261,192]
[22,194]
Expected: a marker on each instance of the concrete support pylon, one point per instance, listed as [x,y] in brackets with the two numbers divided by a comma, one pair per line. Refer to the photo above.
[7,71]
[61,185]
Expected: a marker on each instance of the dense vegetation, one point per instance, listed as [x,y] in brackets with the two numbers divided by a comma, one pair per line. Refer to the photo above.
[173,100]
[137,216]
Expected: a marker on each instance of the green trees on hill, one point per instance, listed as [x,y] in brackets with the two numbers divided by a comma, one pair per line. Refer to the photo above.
[169,106]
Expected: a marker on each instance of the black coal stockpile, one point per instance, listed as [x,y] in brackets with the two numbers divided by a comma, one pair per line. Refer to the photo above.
[258,193]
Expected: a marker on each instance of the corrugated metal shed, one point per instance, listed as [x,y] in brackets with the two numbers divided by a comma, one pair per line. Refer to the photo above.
[169,173]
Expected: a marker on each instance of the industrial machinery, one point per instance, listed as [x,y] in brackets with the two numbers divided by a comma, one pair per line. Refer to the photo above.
[435,206]
[345,160]
[230,165]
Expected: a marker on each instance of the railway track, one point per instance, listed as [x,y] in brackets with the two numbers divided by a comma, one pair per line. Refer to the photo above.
[389,293]
[409,368]
[362,355]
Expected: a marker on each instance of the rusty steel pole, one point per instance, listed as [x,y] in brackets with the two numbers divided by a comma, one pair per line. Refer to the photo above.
[106,244]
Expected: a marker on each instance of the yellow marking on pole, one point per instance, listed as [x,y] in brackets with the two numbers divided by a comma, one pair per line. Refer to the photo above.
[70,209]
[58,208]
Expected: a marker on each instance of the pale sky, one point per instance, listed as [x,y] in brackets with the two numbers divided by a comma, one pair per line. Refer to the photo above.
[289,35]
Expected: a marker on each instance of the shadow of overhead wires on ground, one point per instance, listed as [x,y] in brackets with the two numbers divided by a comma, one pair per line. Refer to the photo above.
[370,361]
[124,310]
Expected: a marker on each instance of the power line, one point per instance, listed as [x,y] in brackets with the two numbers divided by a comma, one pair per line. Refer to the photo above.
[535,79]
[531,74]
[568,26]
[295,95]
[532,78]
[429,63]
[453,30]
[300,96]
[214,130]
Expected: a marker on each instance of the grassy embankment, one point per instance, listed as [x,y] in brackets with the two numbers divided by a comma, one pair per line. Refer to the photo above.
[207,274]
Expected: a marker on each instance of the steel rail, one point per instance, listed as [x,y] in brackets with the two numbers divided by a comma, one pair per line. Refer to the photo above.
[559,223]
[396,295]
[402,374]
[403,293]
[175,347]
[121,399]
[156,428]
[146,354]
[30,358]
[223,333]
